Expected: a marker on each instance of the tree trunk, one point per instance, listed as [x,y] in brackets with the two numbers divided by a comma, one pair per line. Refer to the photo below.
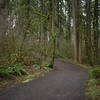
[88,32]
[95,30]
[76,23]
[69,19]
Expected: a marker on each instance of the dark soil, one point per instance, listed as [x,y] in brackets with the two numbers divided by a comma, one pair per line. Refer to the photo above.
[67,82]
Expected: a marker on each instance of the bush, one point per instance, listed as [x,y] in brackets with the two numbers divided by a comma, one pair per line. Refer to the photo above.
[14,70]
[37,66]
[94,81]
[95,72]
[93,91]
[48,67]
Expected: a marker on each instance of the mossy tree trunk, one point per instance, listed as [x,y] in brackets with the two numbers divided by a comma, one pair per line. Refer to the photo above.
[76,28]
[88,32]
[95,33]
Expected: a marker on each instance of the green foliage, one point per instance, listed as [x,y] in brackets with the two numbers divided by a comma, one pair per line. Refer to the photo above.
[37,66]
[93,91]
[54,36]
[48,67]
[15,70]
[94,82]
[95,72]
[66,50]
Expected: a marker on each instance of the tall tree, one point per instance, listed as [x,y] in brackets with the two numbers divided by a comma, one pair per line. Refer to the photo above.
[69,17]
[26,21]
[95,32]
[76,30]
[53,30]
[88,32]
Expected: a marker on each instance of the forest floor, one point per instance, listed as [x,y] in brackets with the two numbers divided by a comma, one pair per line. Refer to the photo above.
[66,82]
[13,80]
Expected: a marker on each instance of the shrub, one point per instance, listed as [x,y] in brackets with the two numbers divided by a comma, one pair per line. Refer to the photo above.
[37,66]
[15,70]
[94,81]
[93,91]
[95,72]
[48,67]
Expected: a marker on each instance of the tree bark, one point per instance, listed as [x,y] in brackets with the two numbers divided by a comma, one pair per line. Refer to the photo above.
[95,32]
[88,32]
[76,23]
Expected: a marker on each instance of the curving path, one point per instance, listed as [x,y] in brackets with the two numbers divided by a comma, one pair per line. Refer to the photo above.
[67,82]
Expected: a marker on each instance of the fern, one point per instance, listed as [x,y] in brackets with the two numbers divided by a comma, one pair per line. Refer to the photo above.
[14,69]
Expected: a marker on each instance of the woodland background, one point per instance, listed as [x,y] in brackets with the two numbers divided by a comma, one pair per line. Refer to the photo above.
[37,31]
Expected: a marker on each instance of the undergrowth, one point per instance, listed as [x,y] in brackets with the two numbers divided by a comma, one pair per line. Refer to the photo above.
[15,69]
[93,90]
[46,67]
